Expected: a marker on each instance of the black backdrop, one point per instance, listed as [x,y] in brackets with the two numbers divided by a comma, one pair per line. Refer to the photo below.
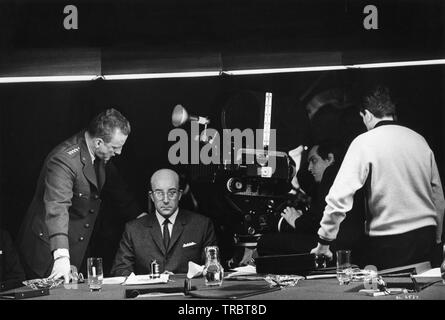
[37,116]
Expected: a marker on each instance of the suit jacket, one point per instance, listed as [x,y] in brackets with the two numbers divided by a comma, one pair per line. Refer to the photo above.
[142,243]
[304,237]
[10,268]
[64,209]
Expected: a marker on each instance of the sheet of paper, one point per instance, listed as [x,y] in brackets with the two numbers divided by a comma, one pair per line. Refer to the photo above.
[429,275]
[114,280]
[145,279]
[194,270]
[435,272]
[243,271]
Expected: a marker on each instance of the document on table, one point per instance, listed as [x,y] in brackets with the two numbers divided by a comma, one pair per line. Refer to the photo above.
[429,275]
[133,279]
[114,280]
[243,271]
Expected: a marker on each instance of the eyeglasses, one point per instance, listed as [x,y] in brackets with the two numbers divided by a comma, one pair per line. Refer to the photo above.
[171,194]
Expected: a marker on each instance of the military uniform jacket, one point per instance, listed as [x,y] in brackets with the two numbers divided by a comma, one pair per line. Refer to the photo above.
[142,243]
[64,208]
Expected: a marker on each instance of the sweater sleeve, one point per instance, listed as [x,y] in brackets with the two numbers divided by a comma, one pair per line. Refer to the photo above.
[438,197]
[351,177]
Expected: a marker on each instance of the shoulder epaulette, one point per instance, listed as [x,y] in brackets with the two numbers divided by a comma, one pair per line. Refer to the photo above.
[73,150]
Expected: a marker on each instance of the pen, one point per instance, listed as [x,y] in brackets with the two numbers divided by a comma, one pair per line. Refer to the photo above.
[160,294]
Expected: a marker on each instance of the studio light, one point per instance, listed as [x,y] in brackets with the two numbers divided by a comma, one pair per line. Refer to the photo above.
[338,67]
[181,116]
[48,79]
[397,64]
[162,75]
[192,74]
[281,70]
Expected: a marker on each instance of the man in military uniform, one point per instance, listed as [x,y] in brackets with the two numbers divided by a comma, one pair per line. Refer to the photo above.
[59,223]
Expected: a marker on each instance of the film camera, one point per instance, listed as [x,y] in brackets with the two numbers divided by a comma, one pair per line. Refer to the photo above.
[258,195]
[255,188]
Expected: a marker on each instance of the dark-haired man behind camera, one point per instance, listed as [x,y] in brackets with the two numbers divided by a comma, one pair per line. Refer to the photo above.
[298,230]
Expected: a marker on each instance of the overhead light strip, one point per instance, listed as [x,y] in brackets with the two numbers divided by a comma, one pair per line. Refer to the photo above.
[47,79]
[342,67]
[162,75]
[218,73]
[397,64]
[281,70]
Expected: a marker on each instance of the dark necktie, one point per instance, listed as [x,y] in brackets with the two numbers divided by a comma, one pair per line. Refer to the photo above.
[166,234]
[97,170]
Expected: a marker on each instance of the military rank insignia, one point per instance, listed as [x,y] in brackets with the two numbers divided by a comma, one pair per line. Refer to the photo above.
[73,151]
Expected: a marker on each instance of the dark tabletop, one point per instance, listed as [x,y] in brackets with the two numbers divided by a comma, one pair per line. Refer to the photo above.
[314,289]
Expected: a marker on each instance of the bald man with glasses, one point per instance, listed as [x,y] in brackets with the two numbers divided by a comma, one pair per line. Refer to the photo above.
[170,235]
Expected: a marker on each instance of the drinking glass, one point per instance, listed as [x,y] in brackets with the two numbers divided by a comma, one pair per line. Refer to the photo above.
[95,273]
[344,274]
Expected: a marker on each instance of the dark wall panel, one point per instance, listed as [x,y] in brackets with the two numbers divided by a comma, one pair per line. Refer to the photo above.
[37,116]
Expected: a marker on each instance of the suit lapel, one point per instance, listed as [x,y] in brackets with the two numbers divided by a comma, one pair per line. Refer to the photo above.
[88,168]
[155,231]
[178,228]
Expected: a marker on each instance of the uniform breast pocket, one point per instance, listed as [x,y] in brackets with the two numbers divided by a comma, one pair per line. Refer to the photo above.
[81,193]
[80,204]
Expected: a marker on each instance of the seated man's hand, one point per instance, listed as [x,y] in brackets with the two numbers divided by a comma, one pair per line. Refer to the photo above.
[322,250]
[291,214]
[61,268]
[168,272]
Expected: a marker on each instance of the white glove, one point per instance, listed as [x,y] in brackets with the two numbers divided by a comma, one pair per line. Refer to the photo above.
[61,268]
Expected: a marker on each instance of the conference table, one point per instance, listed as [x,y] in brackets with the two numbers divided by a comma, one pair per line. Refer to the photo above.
[305,289]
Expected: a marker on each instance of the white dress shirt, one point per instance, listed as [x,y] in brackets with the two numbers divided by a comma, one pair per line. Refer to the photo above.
[172,220]
[93,157]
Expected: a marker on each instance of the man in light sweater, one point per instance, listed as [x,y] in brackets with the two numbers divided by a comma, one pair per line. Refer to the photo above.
[405,201]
